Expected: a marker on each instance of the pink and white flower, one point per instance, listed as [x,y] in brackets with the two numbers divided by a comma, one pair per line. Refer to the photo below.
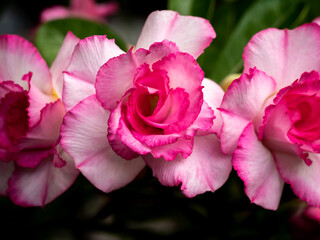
[34,168]
[80,8]
[270,119]
[150,106]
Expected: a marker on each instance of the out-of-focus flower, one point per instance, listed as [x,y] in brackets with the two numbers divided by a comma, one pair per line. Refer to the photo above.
[274,134]
[150,106]
[34,169]
[80,8]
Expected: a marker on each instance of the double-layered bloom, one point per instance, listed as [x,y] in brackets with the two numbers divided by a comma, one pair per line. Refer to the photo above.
[34,169]
[150,106]
[271,116]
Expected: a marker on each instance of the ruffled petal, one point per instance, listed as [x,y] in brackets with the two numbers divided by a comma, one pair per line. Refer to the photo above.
[191,34]
[303,179]
[88,56]
[284,54]
[244,102]
[17,58]
[255,165]
[206,169]
[62,61]
[84,137]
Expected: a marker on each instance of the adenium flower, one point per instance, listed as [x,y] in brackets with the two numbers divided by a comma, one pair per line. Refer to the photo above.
[270,116]
[34,169]
[150,106]
[80,8]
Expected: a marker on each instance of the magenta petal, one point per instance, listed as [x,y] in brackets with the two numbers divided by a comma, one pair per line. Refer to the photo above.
[302,178]
[191,34]
[32,158]
[84,137]
[284,54]
[6,170]
[17,58]
[255,165]
[41,185]
[206,169]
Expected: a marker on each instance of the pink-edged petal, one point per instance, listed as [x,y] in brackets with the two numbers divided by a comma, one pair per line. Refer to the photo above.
[41,185]
[303,179]
[9,86]
[242,103]
[52,13]
[206,169]
[84,137]
[316,20]
[284,54]
[111,83]
[37,101]
[17,58]
[213,95]
[255,165]
[62,61]
[120,136]
[32,158]
[46,132]
[88,56]
[191,34]
[6,170]
[184,72]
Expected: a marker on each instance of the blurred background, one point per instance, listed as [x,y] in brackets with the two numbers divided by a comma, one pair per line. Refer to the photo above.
[145,209]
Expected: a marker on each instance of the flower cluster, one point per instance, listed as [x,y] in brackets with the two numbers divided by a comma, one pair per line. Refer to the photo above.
[108,114]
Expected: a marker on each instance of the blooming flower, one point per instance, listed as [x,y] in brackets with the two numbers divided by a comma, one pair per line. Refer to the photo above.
[150,106]
[80,8]
[270,119]
[34,169]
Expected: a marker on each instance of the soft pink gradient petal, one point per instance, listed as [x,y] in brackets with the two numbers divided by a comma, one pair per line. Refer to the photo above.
[46,132]
[120,136]
[41,185]
[184,72]
[213,95]
[88,56]
[19,57]
[303,179]
[84,137]
[284,54]
[242,103]
[62,61]
[191,34]
[255,165]
[55,12]
[111,84]
[206,169]
[37,101]
[6,170]
[316,20]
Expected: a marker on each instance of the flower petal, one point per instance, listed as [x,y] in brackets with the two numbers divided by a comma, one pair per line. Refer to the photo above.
[88,56]
[242,103]
[17,58]
[255,165]
[191,34]
[206,169]
[62,61]
[84,137]
[284,54]
[303,179]
[41,185]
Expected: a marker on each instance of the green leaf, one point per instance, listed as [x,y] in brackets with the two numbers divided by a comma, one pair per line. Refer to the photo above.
[260,15]
[182,7]
[203,8]
[50,35]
